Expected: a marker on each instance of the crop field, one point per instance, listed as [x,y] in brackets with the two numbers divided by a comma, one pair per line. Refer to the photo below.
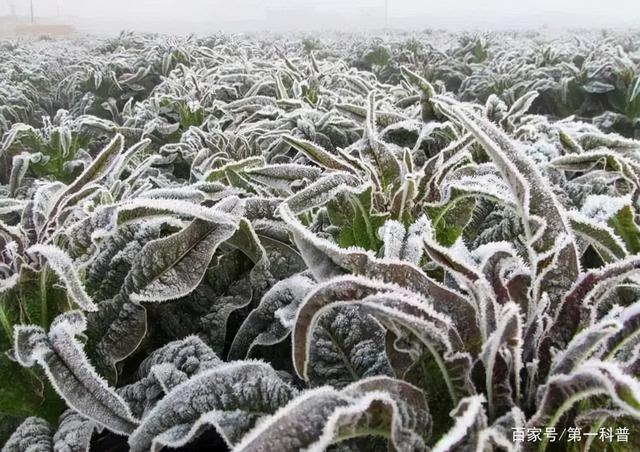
[395,242]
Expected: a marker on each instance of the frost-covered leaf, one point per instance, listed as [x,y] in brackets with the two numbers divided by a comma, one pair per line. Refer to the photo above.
[117,330]
[223,171]
[171,267]
[392,233]
[318,155]
[98,169]
[624,225]
[325,260]
[187,356]
[426,92]
[282,177]
[140,208]
[585,292]
[230,398]
[323,416]
[375,152]
[502,360]
[582,346]
[406,314]
[602,237]
[562,392]
[321,191]
[33,435]
[114,256]
[271,321]
[626,335]
[352,212]
[522,105]
[62,264]
[527,184]
[69,371]
[346,346]
[74,433]
[470,419]
[19,167]
[230,284]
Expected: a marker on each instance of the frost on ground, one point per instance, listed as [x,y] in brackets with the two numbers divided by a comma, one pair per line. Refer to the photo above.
[355,243]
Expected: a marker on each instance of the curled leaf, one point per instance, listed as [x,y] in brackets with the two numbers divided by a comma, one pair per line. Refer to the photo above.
[230,397]
[70,373]
[64,267]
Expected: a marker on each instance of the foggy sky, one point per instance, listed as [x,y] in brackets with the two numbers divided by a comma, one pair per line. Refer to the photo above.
[201,16]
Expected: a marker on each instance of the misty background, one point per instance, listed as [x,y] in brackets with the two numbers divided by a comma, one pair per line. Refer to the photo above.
[208,16]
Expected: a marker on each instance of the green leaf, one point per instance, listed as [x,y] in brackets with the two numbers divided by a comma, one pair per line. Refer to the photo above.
[625,227]
[38,297]
[450,219]
[21,392]
[426,92]
[599,235]
[352,213]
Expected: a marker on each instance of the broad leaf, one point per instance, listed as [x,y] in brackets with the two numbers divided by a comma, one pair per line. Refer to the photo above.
[230,398]
[73,377]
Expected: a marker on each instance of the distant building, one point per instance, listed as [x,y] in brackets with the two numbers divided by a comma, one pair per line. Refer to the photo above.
[41,29]
[11,27]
